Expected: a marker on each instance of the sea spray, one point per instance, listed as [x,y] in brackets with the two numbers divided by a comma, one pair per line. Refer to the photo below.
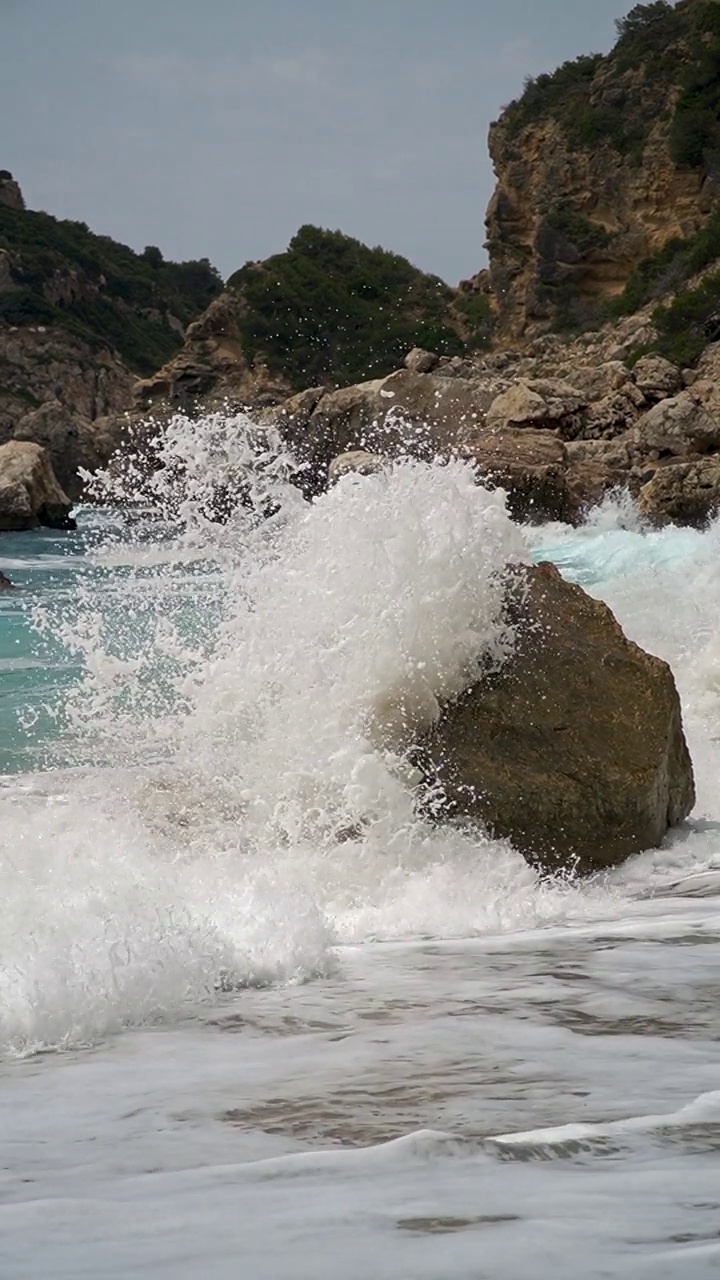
[229,817]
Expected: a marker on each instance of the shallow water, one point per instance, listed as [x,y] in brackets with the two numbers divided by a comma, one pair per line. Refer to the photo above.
[284,1053]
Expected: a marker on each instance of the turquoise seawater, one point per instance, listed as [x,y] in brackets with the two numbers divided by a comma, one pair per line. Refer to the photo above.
[35,671]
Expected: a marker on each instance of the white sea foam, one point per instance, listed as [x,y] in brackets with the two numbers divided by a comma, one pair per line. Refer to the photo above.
[245,819]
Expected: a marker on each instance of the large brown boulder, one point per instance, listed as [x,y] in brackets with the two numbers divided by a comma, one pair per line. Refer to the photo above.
[30,495]
[574,749]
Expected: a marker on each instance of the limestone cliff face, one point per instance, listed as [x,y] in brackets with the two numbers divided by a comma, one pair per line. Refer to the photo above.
[588,183]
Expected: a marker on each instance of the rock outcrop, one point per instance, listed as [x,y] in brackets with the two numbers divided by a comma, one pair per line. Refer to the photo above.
[211,368]
[574,749]
[599,166]
[10,194]
[61,393]
[30,495]
[80,317]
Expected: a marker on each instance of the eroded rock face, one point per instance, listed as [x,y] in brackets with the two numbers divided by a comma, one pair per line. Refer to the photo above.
[60,393]
[575,749]
[570,220]
[30,495]
[211,367]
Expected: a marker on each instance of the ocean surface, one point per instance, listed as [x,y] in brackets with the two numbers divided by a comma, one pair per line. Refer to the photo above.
[235,1041]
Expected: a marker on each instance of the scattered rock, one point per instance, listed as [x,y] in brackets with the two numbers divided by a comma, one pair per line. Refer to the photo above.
[686,493]
[29,492]
[574,749]
[657,378]
[359,462]
[419,361]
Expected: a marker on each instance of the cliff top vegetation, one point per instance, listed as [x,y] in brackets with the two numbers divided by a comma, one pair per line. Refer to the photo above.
[331,310]
[614,99]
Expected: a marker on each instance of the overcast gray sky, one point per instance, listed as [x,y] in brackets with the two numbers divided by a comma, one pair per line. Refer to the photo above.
[215,128]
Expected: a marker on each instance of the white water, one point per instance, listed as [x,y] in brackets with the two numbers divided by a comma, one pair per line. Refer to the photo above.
[193,849]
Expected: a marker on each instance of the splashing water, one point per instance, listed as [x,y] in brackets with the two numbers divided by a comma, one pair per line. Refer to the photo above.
[222,812]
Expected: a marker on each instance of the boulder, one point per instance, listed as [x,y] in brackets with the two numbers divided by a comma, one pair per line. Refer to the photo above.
[595,382]
[5,583]
[686,493]
[359,463]
[542,402]
[29,491]
[528,464]
[574,748]
[420,361]
[657,377]
[680,425]
[420,415]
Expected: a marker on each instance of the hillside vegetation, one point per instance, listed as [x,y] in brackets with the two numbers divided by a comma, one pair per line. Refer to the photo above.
[331,310]
[99,289]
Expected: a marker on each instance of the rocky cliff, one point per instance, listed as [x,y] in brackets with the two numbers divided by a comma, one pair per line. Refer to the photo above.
[81,316]
[601,165]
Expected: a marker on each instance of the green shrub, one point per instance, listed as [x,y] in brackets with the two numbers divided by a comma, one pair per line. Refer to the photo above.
[21,306]
[664,47]
[558,94]
[647,31]
[577,229]
[476,316]
[689,322]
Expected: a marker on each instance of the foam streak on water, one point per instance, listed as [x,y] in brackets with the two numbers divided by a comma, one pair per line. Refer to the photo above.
[372,1045]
